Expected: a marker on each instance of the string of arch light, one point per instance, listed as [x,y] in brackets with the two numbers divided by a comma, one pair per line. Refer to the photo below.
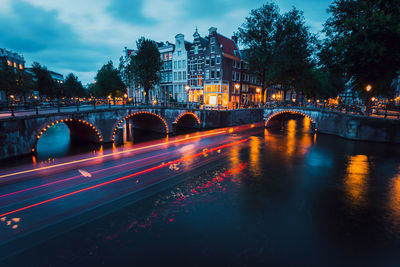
[187,113]
[44,129]
[285,112]
[138,113]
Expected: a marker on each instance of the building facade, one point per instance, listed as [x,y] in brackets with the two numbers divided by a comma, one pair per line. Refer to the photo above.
[180,68]
[164,91]
[196,59]
[228,82]
[12,60]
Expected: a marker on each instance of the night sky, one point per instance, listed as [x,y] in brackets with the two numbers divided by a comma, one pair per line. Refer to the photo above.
[79,36]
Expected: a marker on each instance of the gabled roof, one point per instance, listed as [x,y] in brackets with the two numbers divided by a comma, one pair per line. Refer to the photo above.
[228,46]
[188,45]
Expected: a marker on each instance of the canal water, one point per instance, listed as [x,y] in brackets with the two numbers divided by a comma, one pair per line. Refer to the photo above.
[290,197]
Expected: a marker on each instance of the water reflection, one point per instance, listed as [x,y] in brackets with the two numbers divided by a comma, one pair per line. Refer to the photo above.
[291,138]
[394,200]
[356,179]
[255,166]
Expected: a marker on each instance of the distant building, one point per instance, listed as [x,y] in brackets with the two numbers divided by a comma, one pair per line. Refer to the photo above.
[196,59]
[13,60]
[57,77]
[180,68]
[164,92]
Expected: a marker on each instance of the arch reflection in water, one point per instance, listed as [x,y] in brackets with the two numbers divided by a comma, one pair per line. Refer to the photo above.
[356,180]
[56,142]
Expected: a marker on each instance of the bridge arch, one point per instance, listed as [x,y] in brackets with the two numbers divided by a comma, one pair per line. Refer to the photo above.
[144,119]
[187,119]
[79,129]
[290,111]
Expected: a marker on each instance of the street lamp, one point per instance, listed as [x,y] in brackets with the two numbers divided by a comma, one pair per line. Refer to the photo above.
[187,88]
[368,88]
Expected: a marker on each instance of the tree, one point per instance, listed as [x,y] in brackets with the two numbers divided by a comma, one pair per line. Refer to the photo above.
[363,43]
[144,66]
[280,48]
[108,82]
[45,83]
[73,87]
[293,50]
[257,34]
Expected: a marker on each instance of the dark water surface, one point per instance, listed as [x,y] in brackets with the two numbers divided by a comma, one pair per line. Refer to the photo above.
[289,197]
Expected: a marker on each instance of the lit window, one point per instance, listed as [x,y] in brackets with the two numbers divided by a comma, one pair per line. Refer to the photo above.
[20,66]
[15,64]
[9,63]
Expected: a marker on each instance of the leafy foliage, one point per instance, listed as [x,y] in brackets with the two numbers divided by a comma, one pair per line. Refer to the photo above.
[108,82]
[45,83]
[144,66]
[280,47]
[363,43]
[73,87]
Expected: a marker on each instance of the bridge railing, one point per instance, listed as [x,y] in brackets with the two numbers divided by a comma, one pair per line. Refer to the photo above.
[55,107]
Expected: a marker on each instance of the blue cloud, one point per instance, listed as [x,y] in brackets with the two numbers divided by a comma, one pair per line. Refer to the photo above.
[40,36]
[129,12]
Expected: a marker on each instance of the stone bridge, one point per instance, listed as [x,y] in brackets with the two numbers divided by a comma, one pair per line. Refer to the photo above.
[19,135]
[349,126]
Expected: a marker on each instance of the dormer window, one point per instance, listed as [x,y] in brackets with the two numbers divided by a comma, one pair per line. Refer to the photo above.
[196,50]
[212,40]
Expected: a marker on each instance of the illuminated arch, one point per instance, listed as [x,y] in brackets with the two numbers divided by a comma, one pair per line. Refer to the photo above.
[187,113]
[135,114]
[66,121]
[287,112]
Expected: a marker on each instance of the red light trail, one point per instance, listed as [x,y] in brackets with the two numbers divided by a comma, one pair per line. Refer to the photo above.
[79,176]
[109,155]
[122,178]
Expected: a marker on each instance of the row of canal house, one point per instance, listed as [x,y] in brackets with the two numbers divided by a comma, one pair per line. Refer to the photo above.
[209,71]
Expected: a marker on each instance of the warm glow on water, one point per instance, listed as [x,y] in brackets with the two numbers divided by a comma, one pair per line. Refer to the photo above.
[291,138]
[255,164]
[394,200]
[356,179]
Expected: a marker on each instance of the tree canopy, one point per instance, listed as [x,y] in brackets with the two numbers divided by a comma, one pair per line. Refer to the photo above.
[108,82]
[280,47]
[144,65]
[363,43]
[73,87]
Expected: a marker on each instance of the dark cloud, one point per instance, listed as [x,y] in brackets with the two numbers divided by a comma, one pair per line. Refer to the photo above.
[40,36]
[129,12]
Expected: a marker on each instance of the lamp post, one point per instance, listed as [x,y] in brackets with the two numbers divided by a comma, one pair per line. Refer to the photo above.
[258,91]
[368,89]
[187,88]
[237,86]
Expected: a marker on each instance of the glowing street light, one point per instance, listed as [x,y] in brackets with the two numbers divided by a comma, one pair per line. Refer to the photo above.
[258,90]
[125,95]
[237,86]
[368,88]
[187,87]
